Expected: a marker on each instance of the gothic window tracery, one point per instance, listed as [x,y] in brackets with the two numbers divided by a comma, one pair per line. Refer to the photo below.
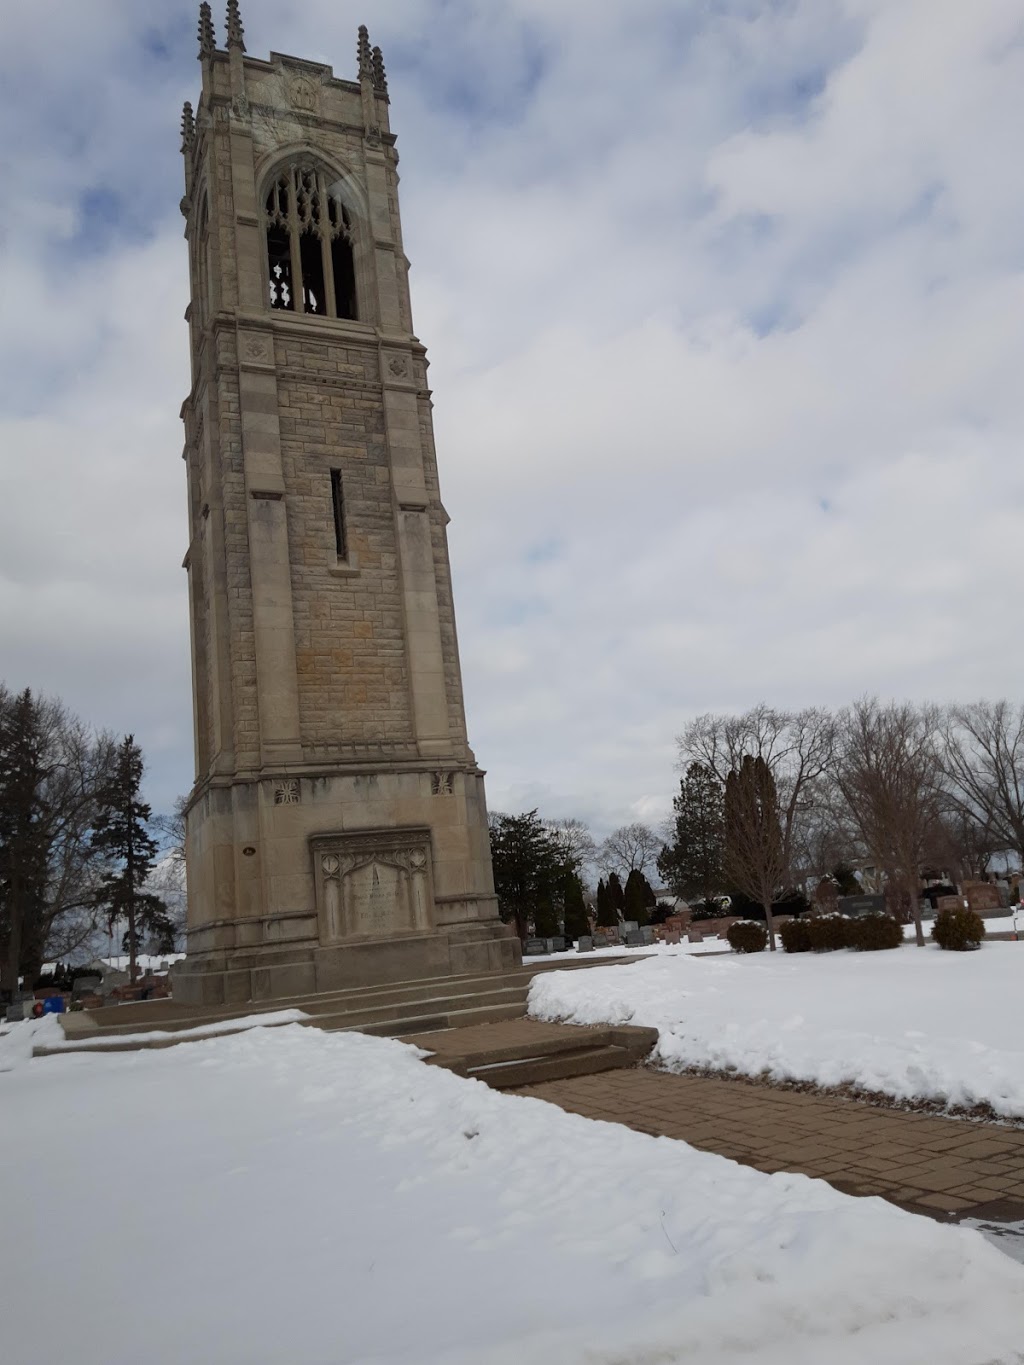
[309,245]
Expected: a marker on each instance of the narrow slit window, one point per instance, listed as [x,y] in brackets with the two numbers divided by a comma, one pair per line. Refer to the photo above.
[338,501]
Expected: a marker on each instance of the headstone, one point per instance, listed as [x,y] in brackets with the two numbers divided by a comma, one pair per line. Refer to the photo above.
[671,936]
[535,947]
[15,1013]
[600,938]
[694,935]
[982,896]
[949,903]
[86,985]
[585,944]
[556,944]
[630,926]
[634,939]
[855,906]
[647,934]
[612,938]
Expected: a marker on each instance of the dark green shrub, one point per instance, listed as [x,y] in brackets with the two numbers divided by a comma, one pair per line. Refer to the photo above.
[707,909]
[795,935]
[828,933]
[747,936]
[958,930]
[871,933]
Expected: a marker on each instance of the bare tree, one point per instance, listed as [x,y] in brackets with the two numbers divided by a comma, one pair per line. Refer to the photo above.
[889,773]
[982,755]
[630,848]
[796,746]
[575,842]
[754,856]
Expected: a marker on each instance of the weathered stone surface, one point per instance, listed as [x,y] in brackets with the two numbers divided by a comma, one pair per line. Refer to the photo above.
[327,692]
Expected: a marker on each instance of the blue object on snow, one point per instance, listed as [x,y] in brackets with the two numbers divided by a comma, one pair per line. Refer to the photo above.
[54,1004]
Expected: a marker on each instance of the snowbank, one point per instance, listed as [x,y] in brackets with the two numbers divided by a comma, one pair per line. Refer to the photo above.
[288,1195]
[914,1023]
[18,1040]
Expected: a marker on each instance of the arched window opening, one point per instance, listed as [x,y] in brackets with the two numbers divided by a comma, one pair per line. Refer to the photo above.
[309,246]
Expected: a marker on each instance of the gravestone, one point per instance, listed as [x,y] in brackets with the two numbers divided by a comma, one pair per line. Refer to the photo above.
[948,903]
[600,938]
[671,936]
[535,947]
[556,944]
[630,926]
[647,934]
[585,944]
[612,938]
[982,897]
[86,985]
[694,935]
[856,906]
[634,939]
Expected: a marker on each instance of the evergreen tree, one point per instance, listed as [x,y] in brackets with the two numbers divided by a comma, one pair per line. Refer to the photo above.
[846,883]
[650,899]
[121,834]
[545,916]
[634,898]
[606,916]
[616,895]
[526,865]
[577,922]
[693,864]
[23,837]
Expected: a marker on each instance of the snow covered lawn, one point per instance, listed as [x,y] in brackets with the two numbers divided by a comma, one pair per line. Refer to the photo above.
[286,1195]
[916,1023]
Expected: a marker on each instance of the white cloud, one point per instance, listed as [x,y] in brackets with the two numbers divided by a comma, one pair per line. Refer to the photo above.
[724,307]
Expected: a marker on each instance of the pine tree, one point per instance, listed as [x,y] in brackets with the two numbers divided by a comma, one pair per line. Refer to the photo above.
[526,866]
[693,865]
[577,922]
[606,916]
[545,916]
[616,895]
[23,839]
[635,900]
[121,834]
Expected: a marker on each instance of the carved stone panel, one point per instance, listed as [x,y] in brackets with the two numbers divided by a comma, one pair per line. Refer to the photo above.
[372,883]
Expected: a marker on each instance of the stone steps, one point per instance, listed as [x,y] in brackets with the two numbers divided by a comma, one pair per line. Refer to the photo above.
[436,997]
[396,1010]
[525,1052]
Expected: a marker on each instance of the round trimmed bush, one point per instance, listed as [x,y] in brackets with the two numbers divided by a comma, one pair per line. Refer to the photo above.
[958,930]
[795,936]
[871,933]
[828,933]
[747,936]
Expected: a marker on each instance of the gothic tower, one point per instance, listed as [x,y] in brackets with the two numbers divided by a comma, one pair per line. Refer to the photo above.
[337,830]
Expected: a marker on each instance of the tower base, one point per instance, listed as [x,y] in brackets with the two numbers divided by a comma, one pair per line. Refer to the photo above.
[283,972]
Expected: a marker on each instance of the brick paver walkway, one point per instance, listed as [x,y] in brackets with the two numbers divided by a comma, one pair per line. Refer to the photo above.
[933,1165]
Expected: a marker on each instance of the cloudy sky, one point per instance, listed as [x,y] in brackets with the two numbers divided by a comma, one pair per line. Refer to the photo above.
[725,308]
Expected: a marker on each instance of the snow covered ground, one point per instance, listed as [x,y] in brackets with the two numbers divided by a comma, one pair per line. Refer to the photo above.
[17,1041]
[915,1023]
[287,1195]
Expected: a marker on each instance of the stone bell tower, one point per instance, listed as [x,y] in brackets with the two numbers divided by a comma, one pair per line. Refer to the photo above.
[337,829]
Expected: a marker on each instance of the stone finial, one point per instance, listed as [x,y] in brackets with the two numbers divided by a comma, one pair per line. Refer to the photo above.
[188,128]
[380,76]
[365,55]
[235,30]
[207,38]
